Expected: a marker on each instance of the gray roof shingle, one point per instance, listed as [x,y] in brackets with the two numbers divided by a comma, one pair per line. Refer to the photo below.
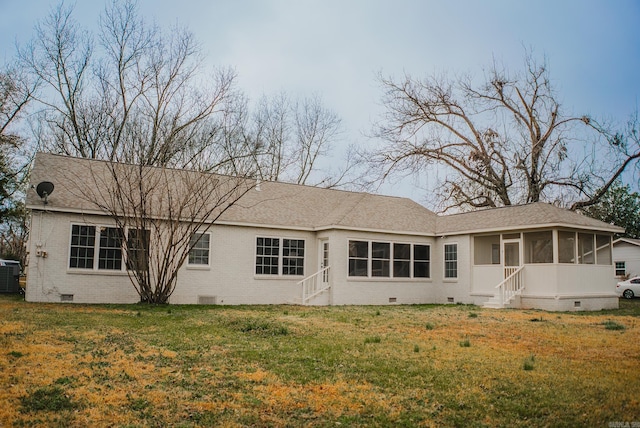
[284,205]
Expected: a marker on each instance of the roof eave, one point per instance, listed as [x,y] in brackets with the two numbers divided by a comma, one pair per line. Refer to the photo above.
[610,229]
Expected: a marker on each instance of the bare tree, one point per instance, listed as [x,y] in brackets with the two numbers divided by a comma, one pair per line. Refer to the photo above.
[135,95]
[505,141]
[289,138]
[159,214]
[135,100]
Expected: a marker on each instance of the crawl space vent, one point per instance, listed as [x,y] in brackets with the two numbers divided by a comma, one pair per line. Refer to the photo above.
[66,297]
[393,299]
[450,300]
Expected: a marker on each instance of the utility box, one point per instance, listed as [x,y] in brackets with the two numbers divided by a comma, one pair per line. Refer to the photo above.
[9,277]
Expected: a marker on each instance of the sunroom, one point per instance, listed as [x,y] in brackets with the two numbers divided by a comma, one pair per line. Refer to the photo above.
[556,269]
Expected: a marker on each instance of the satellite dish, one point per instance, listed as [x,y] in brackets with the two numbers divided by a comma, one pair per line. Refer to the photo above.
[44,189]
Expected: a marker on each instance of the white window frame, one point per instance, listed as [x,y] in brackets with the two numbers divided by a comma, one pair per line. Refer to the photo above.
[200,265]
[624,263]
[444,260]
[96,250]
[281,257]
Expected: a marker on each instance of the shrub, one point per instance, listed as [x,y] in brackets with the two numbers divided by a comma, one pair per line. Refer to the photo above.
[473,315]
[465,343]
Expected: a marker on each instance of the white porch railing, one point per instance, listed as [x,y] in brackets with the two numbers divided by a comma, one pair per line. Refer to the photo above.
[512,285]
[315,284]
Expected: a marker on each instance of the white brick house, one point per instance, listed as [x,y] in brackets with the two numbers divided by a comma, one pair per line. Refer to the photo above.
[284,243]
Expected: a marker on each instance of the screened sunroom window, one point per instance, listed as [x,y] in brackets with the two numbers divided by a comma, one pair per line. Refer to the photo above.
[566,247]
[538,247]
[603,250]
[486,250]
[586,254]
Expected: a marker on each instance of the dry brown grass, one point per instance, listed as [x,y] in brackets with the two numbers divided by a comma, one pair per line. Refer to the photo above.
[300,366]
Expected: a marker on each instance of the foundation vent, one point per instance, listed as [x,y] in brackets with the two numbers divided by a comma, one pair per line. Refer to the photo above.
[393,299]
[577,304]
[66,297]
[207,300]
[450,300]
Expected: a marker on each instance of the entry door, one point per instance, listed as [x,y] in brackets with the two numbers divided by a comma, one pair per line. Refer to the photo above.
[324,259]
[511,257]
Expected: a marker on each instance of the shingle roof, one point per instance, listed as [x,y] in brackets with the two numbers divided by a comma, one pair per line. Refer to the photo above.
[631,241]
[269,204]
[274,204]
[534,215]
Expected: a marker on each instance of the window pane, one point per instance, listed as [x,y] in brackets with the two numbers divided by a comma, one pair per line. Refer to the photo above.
[293,257]
[451,261]
[421,258]
[603,249]
[110,255]
[379,268]
[401,269]
[138,241]
[380,259]
[421,269]
[421,252]
[358,267]
[358,258]
[359,249]
[566,247]
[401,251]
[381,250]
[82,246]
[267,252]
[538,247]
[621,268]
[199,253]
[585,248]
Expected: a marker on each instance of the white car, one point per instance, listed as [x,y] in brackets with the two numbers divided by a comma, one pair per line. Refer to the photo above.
[629,288]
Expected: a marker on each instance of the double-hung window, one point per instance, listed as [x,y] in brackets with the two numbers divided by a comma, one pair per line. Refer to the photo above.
[276,256]
[138,250]
[293,257]
[83,243]
[358,258]
[380,259]
[110,253]
[402,260]
[421,261]
[451,260]
[621,268]
[199,245]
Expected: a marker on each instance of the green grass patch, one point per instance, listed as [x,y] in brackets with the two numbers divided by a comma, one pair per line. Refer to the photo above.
[613,325]
[47,399]
[529,363]
[372,339]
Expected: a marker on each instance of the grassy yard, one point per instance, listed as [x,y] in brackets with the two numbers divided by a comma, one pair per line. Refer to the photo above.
[76,365]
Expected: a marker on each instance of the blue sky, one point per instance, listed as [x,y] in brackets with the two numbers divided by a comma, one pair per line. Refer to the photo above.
[335,48]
